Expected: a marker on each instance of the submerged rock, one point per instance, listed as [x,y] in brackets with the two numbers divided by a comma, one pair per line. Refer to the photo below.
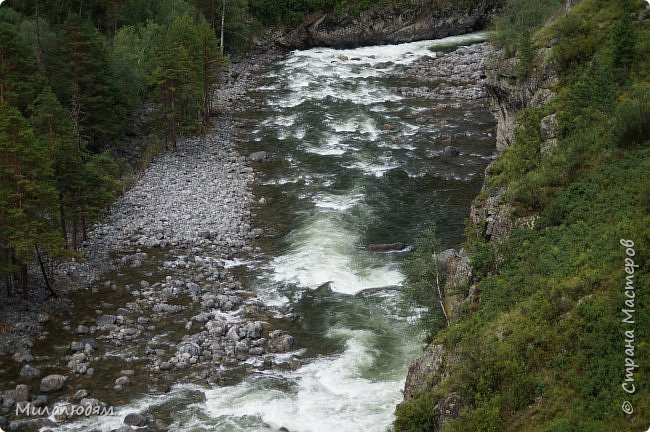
[135,419]
[450,152]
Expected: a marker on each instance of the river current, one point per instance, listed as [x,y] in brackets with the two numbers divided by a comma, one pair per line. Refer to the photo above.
[350,162]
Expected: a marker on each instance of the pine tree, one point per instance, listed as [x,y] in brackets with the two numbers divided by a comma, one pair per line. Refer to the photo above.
[20,79]
[54,129]
[84,82]
[177,78]
[624,43]
[211,60]
[27,196]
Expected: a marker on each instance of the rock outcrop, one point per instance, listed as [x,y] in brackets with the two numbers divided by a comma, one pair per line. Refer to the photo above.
[390,24]
[491,217]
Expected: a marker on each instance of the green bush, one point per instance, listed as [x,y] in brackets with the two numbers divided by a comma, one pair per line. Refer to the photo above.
[632,119]
[424,279]
[519,17]
[417,414]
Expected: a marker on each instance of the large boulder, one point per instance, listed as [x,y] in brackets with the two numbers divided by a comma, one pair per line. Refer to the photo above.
[135,419]
[52,383]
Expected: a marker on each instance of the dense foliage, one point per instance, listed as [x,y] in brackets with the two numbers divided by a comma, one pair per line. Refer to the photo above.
[545,348]
[72,75]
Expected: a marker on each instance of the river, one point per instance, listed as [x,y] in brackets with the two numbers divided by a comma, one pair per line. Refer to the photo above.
[351,161]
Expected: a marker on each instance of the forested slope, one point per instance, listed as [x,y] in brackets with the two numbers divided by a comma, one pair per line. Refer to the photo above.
[73,76]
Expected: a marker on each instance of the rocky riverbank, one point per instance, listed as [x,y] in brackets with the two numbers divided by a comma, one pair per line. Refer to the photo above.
[159,301]
[455,75]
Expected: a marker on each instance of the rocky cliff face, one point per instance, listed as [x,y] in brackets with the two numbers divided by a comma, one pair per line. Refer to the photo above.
[406,22]
[491,217]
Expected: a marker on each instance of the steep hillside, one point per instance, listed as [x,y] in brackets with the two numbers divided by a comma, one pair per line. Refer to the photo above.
[550,321]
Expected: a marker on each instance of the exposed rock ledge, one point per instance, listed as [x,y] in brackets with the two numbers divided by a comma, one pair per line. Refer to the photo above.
[417,20]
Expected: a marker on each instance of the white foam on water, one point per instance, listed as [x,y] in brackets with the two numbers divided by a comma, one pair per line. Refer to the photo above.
[328,394]
[317,73]
[322,251]
[329,145]
[337,202]
[369,128]
[374,169]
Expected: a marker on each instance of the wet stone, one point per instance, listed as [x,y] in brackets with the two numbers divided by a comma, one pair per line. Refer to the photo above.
[52,383]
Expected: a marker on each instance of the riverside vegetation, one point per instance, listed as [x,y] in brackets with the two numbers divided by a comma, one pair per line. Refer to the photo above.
[540,343]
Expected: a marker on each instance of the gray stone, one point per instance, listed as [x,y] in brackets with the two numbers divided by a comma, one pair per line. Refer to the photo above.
[39,401]
[257,156]
[190,348]
[135,419]
[23,357]
[52,383]
[122,381]
[233,334]
[29,371]
[21,394]
[80,394]
[450,152]
[445,255]
[429,364]
[282,343]
[254,330]
[82,329]
[105,320]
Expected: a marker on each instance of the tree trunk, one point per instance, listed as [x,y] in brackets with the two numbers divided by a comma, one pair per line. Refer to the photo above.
[74,234]
[173,131]
[213,13]
[206,83]
[24,282]
[223,19]
[84,229]
[8,281]
[12,275]
[64,230]
[40,263]
[39,44]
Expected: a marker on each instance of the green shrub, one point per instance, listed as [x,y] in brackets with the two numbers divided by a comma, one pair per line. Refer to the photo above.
[417,414]
[632,119]
[519,17]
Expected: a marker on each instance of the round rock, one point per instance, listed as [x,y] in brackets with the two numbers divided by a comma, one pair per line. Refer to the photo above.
[52,383]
